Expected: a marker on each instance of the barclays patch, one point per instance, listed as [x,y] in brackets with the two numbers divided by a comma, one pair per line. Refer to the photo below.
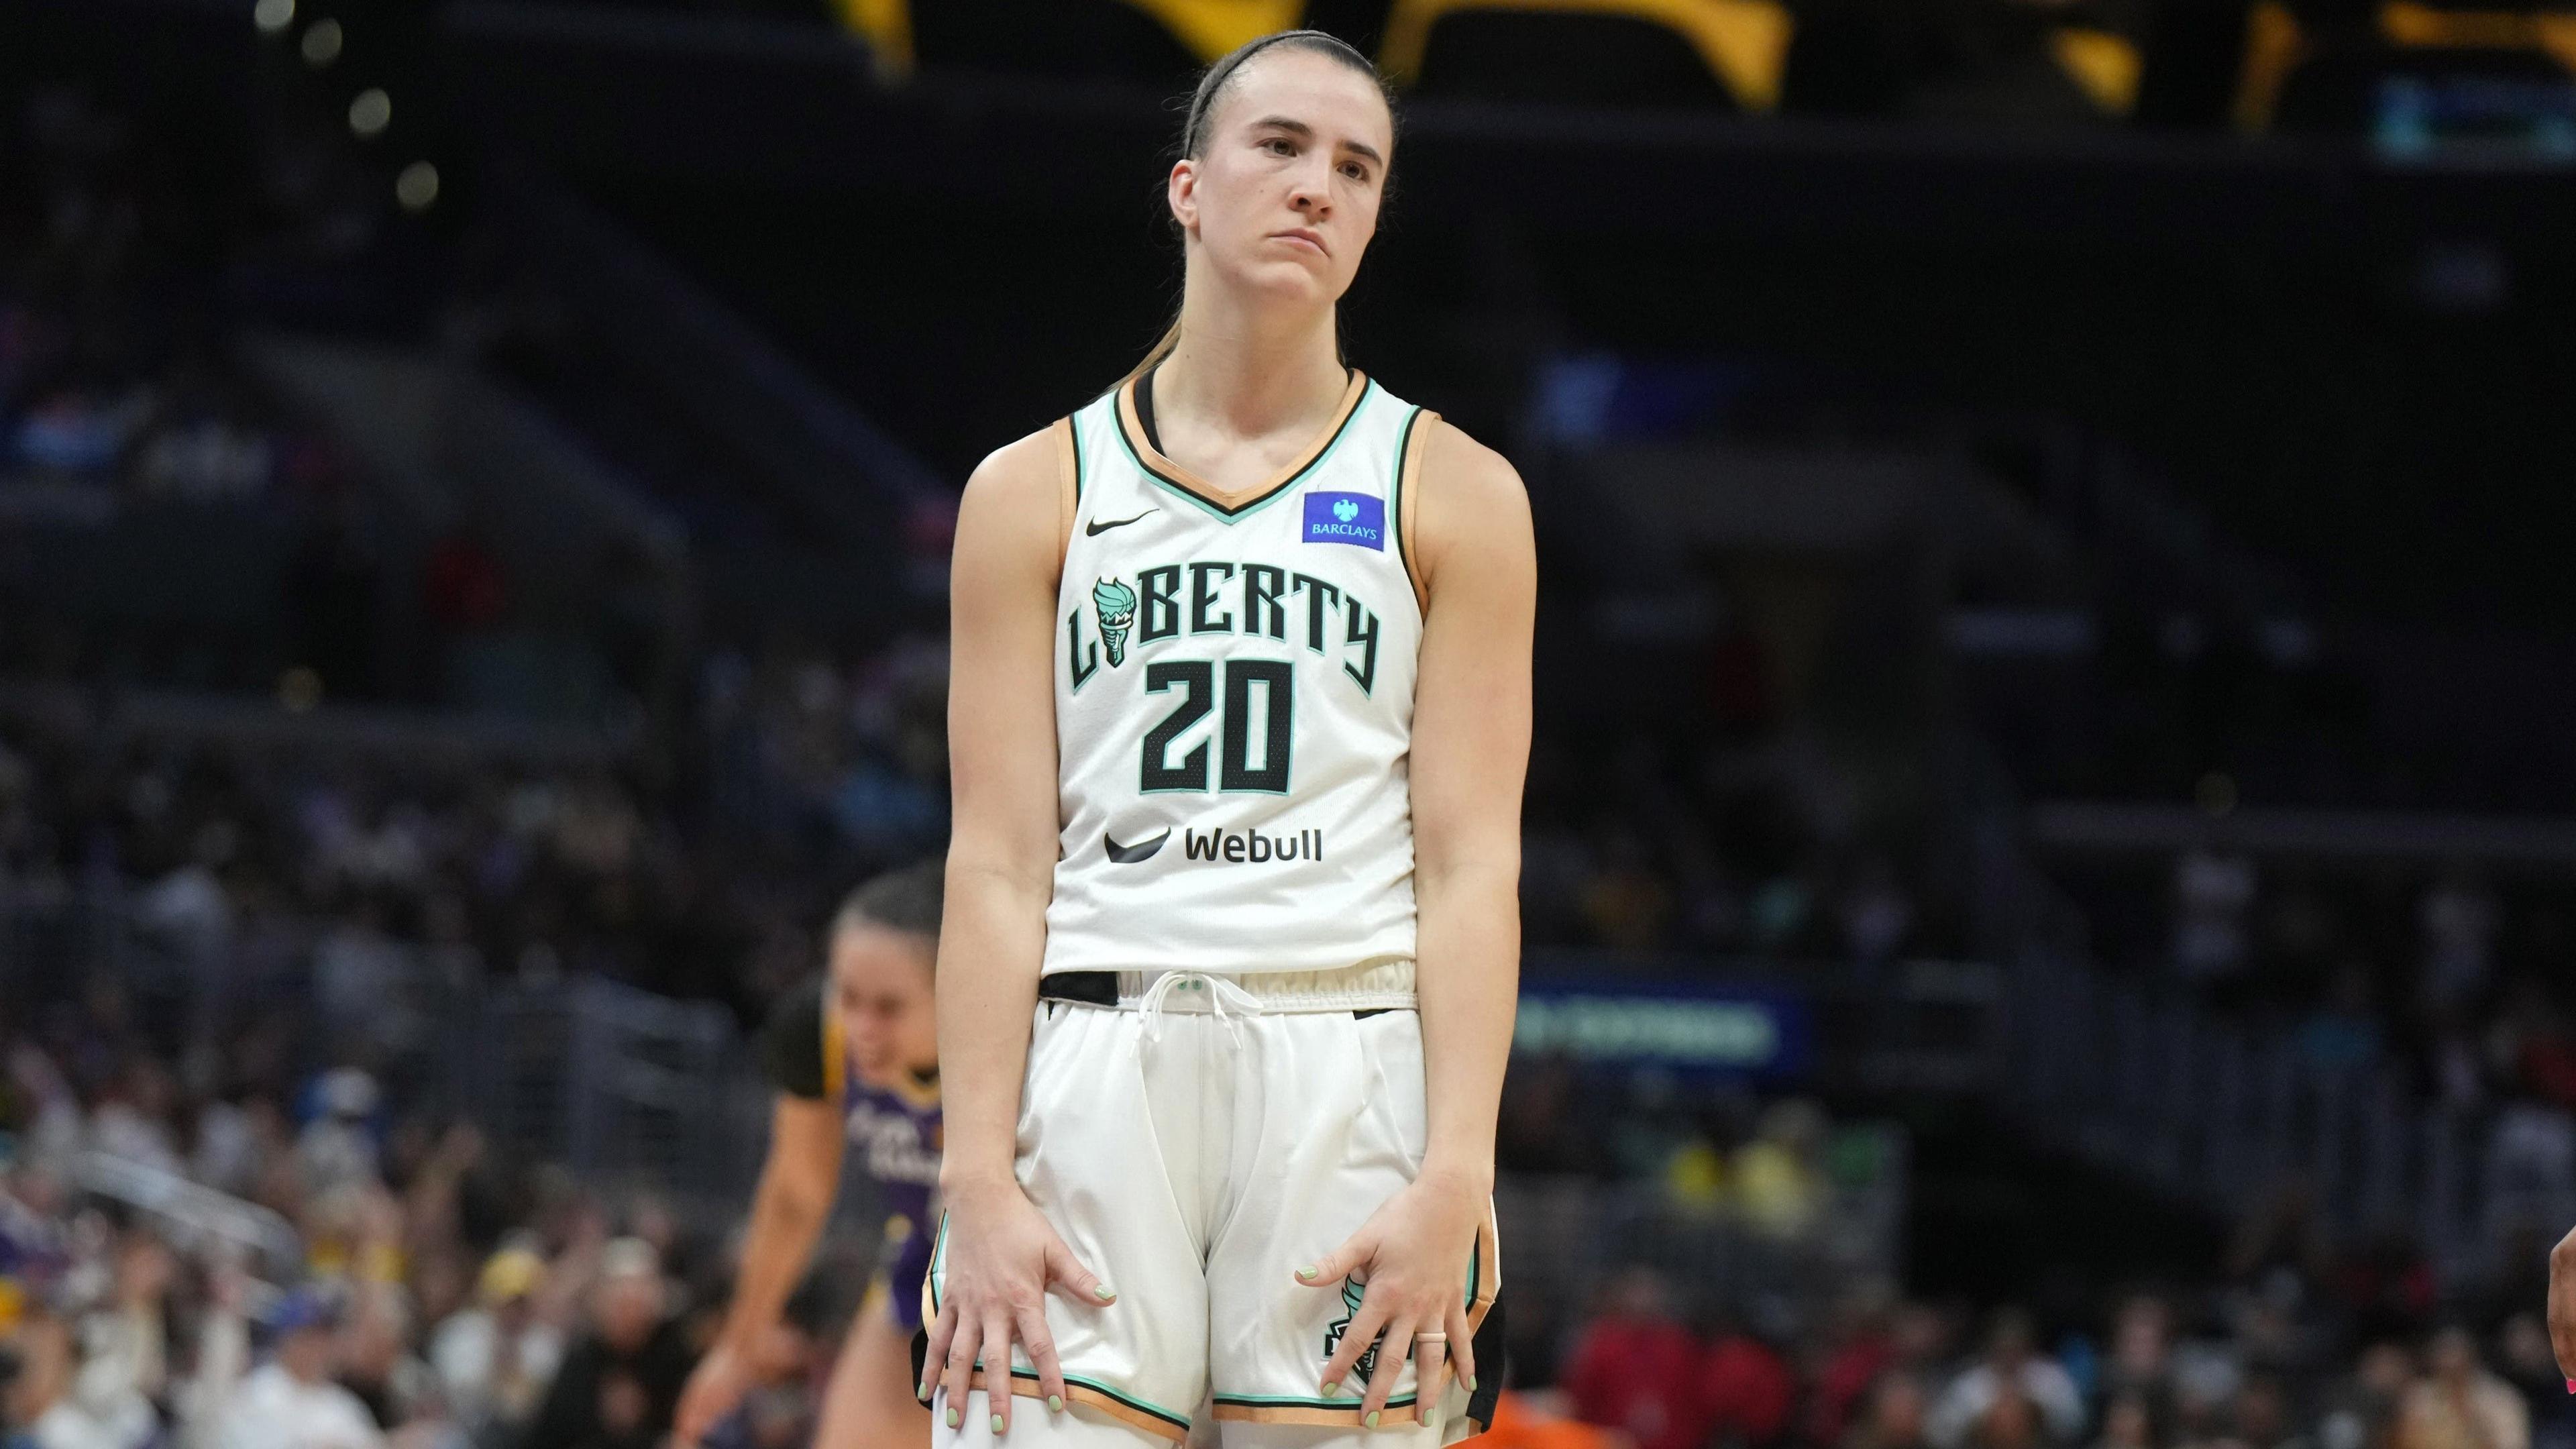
[1353,518]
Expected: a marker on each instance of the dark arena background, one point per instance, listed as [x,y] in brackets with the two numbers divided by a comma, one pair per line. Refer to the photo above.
[2050,859]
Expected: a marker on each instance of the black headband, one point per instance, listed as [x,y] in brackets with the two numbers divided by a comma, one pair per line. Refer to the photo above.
[1206,97]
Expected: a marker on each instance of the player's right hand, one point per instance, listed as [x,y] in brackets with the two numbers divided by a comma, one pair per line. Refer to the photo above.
[715,1387]
[1000,1258]
[2562,1306]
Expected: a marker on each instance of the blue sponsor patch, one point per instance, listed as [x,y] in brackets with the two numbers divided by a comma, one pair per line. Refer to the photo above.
[1358,518]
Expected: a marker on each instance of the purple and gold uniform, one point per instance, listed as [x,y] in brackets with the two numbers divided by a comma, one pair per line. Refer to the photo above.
[893,1131]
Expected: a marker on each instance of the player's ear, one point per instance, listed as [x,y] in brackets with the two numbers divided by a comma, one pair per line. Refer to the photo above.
[1181,191]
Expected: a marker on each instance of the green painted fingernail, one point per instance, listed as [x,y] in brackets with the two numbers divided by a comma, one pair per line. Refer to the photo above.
[1332,1387]
[1307,1272]
[1104,1292]
[921,1390]
[997,1423]
[1371,1420]
[1471,1383]
[953,1416]
[1056,1402]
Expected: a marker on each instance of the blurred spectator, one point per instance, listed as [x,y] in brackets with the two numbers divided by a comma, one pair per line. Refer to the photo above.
[2128,1422]
[2280,1247]
[338,1147]
[2524,1356]
[1634,1368]
[378,1365]
[2361,1410]
[2264,1416]
[1779,1179]
[2009,1421]
[293,1398]
[1861,1347]
[619,1384]
[2012,1391]
[1748,1389]
[496,1358]
[2458,1404]
[125,1340]
[2140,1364]
[67,1401]
[1892,1416]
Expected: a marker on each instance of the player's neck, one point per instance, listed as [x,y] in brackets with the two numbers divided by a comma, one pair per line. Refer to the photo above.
[1250,373]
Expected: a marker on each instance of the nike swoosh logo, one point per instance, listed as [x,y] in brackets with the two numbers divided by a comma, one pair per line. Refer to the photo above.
[1094,529]
[1141,850]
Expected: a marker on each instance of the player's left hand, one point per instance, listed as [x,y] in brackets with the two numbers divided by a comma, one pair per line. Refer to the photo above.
[2562,1306]
[1411,1258]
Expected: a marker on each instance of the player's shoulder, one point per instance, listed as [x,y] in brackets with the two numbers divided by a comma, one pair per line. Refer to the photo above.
[1019,471]
[1473,502]
[1017,511]
[1455,463]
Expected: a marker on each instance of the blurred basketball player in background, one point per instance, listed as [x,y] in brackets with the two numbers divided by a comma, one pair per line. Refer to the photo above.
[854,1060]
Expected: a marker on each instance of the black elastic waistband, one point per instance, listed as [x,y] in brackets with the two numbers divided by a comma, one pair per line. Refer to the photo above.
[1091,988]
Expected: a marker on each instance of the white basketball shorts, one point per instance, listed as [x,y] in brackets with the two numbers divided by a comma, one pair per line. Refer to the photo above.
[1195,1143]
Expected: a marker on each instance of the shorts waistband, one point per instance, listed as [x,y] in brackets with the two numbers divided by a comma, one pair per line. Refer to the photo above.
[1369,986]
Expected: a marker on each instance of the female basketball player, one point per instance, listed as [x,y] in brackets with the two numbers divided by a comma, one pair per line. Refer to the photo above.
[1239,716]
[855,1060]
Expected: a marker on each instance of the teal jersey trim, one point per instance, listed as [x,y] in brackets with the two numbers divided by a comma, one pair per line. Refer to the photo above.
[1073,421]
[1285,1401]
[1395,496]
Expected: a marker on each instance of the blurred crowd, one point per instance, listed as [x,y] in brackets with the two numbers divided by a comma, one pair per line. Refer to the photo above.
[131,435]
[372,1275]
[2268,1362]
[249,868]
[2453,974]
[1752,848]
[109,378]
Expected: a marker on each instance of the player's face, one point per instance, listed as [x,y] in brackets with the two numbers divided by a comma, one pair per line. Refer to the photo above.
[881,987]
[1285,196]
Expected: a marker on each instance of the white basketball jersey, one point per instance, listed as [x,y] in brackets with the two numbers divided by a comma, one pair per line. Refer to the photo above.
[1234,700]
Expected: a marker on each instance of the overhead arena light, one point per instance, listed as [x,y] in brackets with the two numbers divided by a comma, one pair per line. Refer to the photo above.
[370,112]
[417,187]
[322,41]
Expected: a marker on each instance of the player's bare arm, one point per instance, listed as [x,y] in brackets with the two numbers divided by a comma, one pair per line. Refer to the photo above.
[1471,728]
[1001,1255]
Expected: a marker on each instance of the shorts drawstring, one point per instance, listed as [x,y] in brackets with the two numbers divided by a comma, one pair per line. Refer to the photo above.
[1230,1002]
